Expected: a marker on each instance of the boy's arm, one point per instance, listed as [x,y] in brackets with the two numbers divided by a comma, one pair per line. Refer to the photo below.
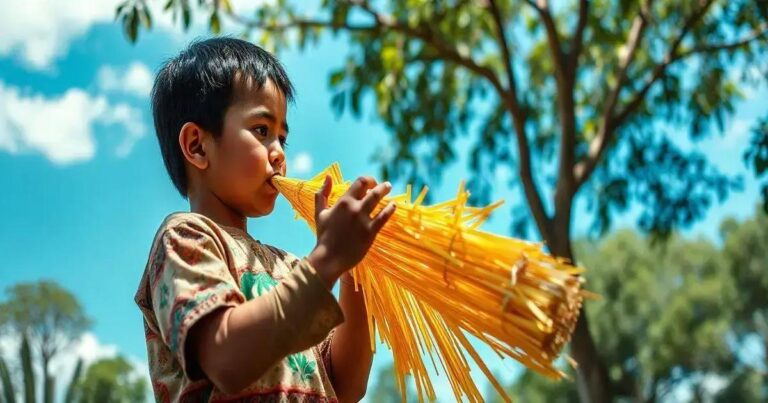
[234,346]
[351,354]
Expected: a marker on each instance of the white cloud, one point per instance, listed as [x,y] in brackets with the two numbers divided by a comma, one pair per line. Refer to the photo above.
[61,128]
[136,79]
[301,163]
[38,31]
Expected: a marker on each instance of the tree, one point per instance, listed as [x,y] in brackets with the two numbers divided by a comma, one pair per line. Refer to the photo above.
[28,377]
[747,258]
[49,318]
[664,313]
[667,312]
[579,98]
[111,380]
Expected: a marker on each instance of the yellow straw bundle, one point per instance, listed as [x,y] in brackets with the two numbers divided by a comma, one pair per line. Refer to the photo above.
[431,277]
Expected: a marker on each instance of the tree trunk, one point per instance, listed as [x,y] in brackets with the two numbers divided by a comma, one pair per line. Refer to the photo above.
[592,377]
[28,373]
[9,394]
[73,384]
[49,382]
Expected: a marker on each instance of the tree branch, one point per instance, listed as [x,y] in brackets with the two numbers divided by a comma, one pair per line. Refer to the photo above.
[761,32]
[299,23]
[553,37]
[755,34]
[565,81]
[512,104]
[578,38]
[597,146]
[671,57]
[503,44]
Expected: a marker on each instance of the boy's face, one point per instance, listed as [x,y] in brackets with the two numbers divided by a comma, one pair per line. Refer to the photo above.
[250,150]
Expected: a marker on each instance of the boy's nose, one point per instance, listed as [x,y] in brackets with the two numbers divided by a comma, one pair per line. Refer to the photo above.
[276,156]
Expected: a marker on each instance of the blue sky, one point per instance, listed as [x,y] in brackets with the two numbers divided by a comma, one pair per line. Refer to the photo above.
[84,188]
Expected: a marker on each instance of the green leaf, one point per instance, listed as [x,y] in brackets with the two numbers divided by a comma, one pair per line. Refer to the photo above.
[131,26]
[186,15]
[226,6]
[215,22]
[146,18]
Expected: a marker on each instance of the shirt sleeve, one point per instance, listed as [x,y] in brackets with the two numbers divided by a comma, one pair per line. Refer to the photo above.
[305,311]
[325,355]
[190,279]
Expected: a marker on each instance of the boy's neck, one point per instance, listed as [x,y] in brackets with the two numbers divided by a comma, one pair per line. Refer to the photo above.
[209,205]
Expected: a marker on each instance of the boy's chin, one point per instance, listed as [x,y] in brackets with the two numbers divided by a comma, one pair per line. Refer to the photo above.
[262,209]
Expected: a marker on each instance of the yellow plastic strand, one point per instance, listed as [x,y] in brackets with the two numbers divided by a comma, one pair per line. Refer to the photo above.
[431,277]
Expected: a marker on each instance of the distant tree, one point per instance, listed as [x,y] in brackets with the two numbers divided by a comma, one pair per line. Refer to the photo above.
[746,254]
[49,318]
[666,312]
[111,380]
[384,389]
[28,377]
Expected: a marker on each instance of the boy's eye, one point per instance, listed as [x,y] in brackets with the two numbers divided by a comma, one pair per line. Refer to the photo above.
[284,141]
[260,130]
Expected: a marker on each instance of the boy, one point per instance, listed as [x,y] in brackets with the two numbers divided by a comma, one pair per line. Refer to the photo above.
[227,317]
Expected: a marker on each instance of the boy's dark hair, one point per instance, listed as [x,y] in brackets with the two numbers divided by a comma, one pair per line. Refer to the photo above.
[198,86]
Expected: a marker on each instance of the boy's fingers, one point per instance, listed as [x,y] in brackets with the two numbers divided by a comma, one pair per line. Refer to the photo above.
[382,218]
[360,186]
[374,197]
[321,197]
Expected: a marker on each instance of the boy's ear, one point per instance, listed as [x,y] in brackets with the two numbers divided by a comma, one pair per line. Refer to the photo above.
[192,142]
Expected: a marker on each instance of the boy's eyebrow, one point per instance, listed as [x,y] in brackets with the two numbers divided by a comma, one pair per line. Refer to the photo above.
[265,114]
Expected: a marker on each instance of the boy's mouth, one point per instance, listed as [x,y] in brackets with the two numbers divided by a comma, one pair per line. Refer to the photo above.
[269,181]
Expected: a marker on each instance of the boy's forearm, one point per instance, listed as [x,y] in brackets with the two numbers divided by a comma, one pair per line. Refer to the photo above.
[351,354]
[235,347]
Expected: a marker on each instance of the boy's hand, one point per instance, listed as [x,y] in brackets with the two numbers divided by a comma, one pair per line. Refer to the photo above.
[346,231]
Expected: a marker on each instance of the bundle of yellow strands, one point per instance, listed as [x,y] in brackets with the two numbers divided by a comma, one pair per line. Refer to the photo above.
[432,277]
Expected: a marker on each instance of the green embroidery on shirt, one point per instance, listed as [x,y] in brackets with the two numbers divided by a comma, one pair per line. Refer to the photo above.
[163,296]
[262,282]
[300,365]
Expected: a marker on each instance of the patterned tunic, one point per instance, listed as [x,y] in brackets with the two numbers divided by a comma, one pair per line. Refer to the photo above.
[196,267]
